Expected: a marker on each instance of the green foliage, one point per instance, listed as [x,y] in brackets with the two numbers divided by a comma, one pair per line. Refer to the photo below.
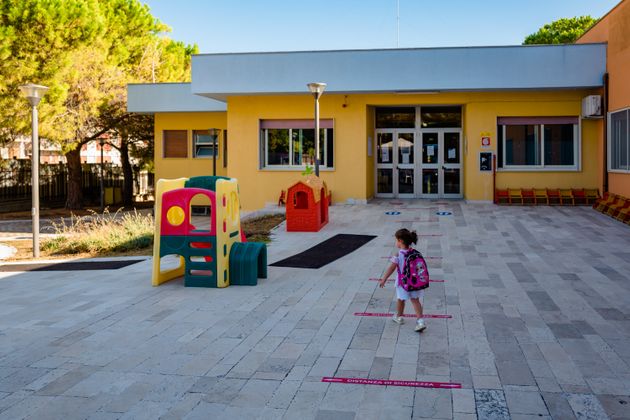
[308,170]
[562,31]
[37,39]
[102,234]
[86,51]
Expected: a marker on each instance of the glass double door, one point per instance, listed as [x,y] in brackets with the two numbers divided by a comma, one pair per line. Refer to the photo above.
[418,164]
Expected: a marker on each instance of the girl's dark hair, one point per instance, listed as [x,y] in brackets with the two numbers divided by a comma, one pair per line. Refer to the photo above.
[406,236]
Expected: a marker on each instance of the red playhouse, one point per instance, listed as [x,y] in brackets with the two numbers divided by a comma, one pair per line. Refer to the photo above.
[307,205]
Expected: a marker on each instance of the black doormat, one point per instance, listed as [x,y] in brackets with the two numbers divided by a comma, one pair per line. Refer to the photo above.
[325,252]
[69,266]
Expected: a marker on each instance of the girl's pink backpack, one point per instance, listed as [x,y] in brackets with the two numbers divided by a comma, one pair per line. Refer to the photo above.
[414,274]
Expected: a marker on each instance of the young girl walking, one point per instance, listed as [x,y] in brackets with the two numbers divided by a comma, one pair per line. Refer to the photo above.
[412,278]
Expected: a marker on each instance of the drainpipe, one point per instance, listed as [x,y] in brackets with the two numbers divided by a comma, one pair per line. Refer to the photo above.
[494,178]
[605,114]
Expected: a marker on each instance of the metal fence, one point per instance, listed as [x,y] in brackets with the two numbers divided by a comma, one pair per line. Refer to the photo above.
[15,183]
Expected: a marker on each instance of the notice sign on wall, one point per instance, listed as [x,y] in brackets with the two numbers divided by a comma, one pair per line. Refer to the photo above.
[485,139]
[485,161]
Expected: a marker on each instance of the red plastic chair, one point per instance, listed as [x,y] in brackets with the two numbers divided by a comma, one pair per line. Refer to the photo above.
[502,197]
[282,200]
[528,196]
[553,195]
[579,196]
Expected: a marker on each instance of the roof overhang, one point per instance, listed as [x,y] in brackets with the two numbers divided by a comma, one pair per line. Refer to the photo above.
[168,97]
[534,67]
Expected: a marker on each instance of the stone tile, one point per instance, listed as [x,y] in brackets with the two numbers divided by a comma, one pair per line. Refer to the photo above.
[491,404]
[586,406]
[381,368]
[463,400]
[334,415]
[486,382]
[205,410]
[21,378]
[325,366]
[515,373]
[284,394]
[67,381]
[615,407]
[432,403]
[357,360]
[525,402]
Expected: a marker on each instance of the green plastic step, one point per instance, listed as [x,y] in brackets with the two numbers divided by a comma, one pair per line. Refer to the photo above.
[248,263]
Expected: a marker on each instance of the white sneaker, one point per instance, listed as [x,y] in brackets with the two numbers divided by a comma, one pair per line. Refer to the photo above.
[398,319]
[420,325]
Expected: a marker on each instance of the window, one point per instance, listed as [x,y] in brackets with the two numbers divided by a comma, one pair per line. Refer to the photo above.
[205,144]
[538,143]
[287,144]
[400,117]
[175,143]
[619,141]
[440,116]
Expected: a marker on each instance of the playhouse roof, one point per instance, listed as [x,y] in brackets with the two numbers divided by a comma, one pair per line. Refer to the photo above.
[314,183]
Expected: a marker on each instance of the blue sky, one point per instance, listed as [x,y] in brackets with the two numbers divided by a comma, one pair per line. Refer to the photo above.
[285,25]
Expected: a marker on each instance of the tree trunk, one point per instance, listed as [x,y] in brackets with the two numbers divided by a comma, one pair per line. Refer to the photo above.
[74,199]
[127,173]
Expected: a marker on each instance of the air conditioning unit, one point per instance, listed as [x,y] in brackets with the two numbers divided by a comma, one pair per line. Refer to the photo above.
[592,106]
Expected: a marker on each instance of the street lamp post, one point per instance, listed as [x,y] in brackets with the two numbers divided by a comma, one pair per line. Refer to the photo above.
[214,135]
[102,143]
[317,89]
[34,93]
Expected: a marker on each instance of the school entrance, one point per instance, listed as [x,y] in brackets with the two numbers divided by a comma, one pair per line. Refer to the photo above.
[419,152]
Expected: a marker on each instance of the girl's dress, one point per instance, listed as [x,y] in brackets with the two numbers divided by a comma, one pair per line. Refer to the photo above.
[401,293]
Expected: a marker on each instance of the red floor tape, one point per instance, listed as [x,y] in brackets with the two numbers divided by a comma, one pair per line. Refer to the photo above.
[428,258]
[390,280]
[388,382]
[385,314]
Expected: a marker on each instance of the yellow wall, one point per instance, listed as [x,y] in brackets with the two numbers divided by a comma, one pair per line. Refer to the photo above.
[353,176]
[258,187]
[167,168]
[614,28]
[369,169]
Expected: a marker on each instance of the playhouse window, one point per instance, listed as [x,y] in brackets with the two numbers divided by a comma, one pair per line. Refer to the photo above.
[544,143]
[619,141]
[301,200]
[284,147]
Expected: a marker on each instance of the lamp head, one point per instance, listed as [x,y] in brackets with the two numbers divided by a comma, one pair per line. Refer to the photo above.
[316,88]
[34,93]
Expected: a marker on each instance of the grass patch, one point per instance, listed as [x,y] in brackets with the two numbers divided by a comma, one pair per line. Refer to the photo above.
[113,234]
[98,234]
[259,228]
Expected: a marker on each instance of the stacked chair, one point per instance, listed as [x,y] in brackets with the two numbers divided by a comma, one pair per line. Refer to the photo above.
[549,196]
[615,206]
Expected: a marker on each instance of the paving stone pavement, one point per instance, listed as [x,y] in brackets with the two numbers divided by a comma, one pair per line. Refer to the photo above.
[540,328]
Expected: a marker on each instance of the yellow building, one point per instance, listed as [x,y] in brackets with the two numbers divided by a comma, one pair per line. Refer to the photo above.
[425,123]
[614,30]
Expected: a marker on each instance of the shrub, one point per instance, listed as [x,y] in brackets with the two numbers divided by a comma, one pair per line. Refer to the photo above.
[100,234]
